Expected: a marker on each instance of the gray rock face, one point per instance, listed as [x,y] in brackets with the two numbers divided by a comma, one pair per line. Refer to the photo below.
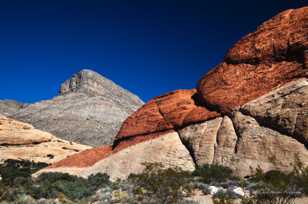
[264,147]
[10,107]
[89,110]
[202,139]
[226,143]
[284,110]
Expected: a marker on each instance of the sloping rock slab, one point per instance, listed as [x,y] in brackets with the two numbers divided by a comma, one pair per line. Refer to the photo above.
[166,149]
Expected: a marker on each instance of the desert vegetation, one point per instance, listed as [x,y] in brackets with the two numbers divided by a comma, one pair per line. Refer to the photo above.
[154,185]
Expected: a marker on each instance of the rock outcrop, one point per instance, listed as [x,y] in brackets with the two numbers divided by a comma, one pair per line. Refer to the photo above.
[284,110]
[20,141]
[201,139]
[250,111]
[169,111]
[89,110]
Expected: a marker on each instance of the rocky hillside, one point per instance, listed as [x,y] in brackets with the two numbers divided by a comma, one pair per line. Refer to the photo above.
[20,141]
[89,110]
[250,111]
[10,107]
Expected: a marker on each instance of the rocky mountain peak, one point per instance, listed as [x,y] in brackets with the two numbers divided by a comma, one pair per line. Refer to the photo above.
[87,81]
[89,110]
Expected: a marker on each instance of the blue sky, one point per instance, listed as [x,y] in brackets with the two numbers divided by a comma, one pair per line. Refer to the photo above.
[148,47]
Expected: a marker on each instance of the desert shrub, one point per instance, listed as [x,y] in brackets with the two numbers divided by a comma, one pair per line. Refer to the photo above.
[223,198]
[50,185]
[277,180]
[270,198]
[14,169]
[165,185]
[276,187]
[302,181]
[214,173]
[17,183]
[300,175]
[295,181]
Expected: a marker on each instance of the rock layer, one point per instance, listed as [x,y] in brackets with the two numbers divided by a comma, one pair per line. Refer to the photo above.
[170,111]
[120,164]
[20,141]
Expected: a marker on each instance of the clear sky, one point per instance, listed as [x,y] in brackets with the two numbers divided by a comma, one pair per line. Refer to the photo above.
[147,46]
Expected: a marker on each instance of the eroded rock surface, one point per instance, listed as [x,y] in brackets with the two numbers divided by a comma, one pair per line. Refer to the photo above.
[284,109]
[273,55]
[201,139]
[226,143]
[170,111]
[20,141]
[263,147]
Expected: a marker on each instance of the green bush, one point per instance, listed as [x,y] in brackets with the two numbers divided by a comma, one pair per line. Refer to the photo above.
[214,173]
[50,185]
[223,198]
[12,169]
[165,185]
[295,181]
[17,183]
[300,175]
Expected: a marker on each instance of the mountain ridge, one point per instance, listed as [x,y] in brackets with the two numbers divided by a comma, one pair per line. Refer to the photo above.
[89,109]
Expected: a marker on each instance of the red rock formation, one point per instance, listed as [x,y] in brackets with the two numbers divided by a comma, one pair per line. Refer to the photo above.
[91,156]
[145,120]
[259,62]
[85,158]
[130,141]
[169,111]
